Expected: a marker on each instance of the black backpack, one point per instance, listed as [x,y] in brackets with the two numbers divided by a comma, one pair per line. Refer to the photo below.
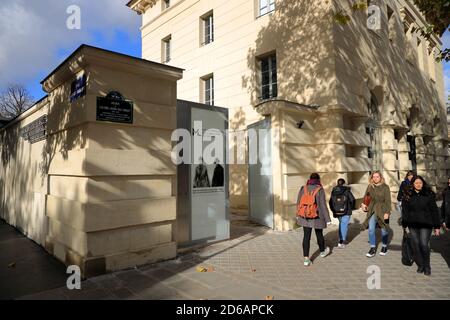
[339,203]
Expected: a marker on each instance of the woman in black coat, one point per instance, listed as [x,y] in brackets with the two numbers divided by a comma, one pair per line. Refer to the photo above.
[420,215]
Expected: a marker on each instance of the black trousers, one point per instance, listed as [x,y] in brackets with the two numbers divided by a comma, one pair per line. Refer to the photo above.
[307,238]
[421,243]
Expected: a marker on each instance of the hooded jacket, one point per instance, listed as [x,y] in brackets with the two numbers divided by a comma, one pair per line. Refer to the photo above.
[339,190]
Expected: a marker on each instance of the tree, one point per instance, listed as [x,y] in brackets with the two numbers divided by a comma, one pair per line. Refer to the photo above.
[14,100]
[437,13]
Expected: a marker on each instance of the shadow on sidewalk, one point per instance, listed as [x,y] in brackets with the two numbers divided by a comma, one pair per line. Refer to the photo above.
[25,267]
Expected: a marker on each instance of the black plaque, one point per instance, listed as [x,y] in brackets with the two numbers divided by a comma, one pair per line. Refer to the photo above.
[114,108]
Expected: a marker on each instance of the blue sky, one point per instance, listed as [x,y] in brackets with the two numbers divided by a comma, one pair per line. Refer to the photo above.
[34,38]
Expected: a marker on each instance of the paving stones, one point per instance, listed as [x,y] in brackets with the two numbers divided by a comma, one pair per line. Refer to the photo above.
[254,265]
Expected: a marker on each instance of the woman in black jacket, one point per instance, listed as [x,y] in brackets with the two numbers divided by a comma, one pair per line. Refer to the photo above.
[421,215]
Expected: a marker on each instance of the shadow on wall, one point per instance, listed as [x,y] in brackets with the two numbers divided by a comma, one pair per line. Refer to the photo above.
[62,115]
[366,60]
[304,55]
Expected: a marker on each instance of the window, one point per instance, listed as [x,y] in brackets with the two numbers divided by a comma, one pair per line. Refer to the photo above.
[266,6]
[165,4]
[208,28]
[269,77]
[208,89]
[166,43]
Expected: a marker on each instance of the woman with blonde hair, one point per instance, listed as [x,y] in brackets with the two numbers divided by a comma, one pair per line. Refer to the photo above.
[377,204]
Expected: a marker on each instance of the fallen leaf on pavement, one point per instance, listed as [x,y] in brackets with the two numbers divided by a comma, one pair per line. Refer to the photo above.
[201,269]
[12,265]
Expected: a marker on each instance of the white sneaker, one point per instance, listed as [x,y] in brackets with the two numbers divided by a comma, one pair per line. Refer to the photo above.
[341,246]
[325,253]
[307,262]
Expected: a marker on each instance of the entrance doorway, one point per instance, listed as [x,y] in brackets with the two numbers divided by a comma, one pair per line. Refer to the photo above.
[260,173]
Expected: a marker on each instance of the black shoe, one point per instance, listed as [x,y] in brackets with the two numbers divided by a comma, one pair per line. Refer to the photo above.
[420,270]
[371,253]
[427,272]
[383,251]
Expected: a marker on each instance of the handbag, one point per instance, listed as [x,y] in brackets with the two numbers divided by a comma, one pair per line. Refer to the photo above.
[366,200]
[407,250]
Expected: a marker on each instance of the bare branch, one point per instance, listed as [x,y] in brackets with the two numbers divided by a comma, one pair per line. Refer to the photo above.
[14,100]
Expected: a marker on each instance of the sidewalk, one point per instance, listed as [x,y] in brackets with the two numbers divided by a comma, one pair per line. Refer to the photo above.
[258,262]
[25,267]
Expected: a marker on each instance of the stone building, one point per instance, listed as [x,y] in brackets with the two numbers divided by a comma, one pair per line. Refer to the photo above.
[342,99]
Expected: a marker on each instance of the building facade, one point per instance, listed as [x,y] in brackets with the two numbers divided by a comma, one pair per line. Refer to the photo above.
[369,98]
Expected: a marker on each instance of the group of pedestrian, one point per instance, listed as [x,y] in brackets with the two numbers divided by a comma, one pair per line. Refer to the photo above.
[420,215]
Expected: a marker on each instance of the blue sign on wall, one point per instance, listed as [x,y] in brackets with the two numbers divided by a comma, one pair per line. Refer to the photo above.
[78,88]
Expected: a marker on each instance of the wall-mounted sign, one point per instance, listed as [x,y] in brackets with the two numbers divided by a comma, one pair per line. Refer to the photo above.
[35,131]
[78,88]
[114,108]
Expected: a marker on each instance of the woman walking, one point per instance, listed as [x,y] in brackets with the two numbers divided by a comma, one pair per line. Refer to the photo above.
[312,213]
[378,211]
[403,189]
[341,203]
[421,216]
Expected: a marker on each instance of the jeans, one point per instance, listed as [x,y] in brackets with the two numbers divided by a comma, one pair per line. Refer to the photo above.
[343,227]
[307,237]
[421,243]
[372,235]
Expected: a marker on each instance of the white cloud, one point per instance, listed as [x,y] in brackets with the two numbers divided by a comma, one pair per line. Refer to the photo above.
[32,32]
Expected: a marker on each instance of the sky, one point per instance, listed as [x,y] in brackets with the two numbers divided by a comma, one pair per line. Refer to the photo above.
[34,37]
[446,44]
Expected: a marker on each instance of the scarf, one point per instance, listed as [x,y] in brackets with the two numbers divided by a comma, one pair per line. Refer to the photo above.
[315,182]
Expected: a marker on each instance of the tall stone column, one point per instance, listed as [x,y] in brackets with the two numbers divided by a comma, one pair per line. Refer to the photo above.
[111,198]
[389,160]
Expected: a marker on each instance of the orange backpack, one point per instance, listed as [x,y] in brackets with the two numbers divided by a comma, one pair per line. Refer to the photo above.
[307,207]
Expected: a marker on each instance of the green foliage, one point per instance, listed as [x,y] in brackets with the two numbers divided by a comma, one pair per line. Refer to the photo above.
[342,18]
[359,6]
[437,13]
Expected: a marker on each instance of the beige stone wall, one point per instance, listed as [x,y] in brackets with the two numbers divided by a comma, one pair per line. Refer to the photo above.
[318,62]
[23,179]
[398,66]
[110,188]
[240,37]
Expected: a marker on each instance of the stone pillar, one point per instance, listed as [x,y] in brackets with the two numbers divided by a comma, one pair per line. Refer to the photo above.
[389,159]
[111,198]
[404,164]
